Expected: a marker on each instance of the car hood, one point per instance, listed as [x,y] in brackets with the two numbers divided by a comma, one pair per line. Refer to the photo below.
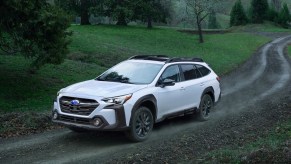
[102,88]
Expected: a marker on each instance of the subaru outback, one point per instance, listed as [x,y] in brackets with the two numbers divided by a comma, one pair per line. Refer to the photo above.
[137,93]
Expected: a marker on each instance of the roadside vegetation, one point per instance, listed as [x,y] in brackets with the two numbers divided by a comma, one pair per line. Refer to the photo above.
[272,147]
[289,50]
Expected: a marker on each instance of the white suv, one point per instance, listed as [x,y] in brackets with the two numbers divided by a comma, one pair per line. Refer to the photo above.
[138,92]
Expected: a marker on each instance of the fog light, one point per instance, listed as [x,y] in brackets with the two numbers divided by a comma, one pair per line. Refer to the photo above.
[97,121]
[55,115]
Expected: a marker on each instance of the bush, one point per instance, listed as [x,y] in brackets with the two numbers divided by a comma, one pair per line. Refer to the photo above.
[34,29]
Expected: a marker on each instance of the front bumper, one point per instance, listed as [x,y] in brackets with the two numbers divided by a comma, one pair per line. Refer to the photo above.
[69,120]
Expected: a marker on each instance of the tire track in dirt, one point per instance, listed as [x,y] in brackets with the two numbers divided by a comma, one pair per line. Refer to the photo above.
[261,66]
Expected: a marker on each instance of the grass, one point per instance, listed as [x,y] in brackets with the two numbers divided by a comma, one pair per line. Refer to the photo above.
[95,48]
[269,146]
[107,45]
[22,91]
[289,50]
[266,27]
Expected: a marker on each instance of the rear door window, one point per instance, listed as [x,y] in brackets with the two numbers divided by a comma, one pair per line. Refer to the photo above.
[190,72]
[203,70]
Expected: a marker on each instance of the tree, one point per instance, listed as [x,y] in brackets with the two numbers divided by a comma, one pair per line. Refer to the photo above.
[259,9]
[34,29]
[272,14]
[78,7]
[120,10]
[85,4]
[284,16]
[212,22]
[238,15]
[199,10]
[151,10]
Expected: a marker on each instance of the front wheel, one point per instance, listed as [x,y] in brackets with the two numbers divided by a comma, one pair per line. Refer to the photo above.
[141,125]
[205,107]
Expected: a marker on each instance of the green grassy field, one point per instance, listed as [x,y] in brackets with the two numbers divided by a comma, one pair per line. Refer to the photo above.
[266,27]
[107,45]
[22,91]
[95,48]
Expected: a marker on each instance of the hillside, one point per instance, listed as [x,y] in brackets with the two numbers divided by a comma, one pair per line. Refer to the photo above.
[95,48]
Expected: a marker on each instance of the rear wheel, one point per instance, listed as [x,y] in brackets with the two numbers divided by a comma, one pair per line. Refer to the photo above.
[141,125]
[205,107]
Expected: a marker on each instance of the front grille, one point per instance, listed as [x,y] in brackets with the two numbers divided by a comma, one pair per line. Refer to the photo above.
[78,106]
[84,121]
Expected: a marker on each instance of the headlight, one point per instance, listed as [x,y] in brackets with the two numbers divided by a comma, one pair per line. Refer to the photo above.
[118,99]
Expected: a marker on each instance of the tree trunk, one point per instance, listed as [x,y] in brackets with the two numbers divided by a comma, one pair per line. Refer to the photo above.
[121,19]
[150,22]
[84,12]
[201,40]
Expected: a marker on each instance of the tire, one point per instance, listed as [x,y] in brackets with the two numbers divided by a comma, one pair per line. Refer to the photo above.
[205,107]
[78,130]
[141,125]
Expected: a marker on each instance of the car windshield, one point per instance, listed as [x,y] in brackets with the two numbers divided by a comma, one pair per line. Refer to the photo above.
[132,72]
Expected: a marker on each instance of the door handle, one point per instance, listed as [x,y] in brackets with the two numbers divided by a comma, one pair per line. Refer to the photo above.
[182,89]
[201,84]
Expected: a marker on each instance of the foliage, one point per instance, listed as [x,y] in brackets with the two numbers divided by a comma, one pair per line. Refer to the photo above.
[78,7]
[34,29]
[238,15]
[151,10]
[124,11]
[259,9]
[120,10]
[272,14]
[284,17]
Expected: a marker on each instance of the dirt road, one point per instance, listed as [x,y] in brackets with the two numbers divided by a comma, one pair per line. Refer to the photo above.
[251,102]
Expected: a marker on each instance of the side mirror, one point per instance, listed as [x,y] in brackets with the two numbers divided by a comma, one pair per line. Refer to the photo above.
[167,82]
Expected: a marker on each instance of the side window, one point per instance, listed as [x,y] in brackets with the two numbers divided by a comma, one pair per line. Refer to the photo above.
[190,71]
[172,72]
[203,70]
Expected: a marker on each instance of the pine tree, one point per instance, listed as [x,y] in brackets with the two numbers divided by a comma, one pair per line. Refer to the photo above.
[284,16]
[272,14]
[238,15]
[259,9]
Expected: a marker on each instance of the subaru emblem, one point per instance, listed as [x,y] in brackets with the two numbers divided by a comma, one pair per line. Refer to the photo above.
[75,102]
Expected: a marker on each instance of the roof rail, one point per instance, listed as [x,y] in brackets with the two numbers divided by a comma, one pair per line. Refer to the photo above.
[165,58]
[161,58]
[172,60]
[148,56]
